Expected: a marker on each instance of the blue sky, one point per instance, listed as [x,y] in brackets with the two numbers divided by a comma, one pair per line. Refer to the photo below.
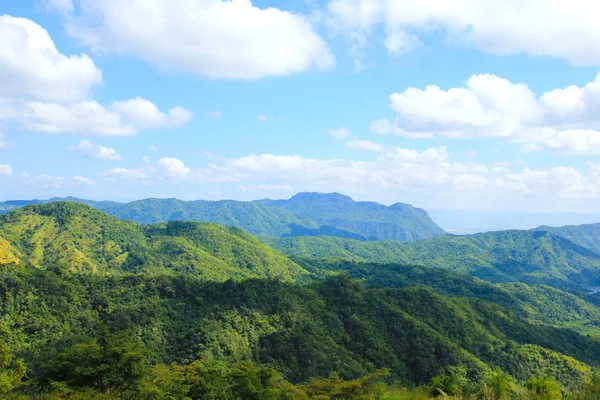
[382,100]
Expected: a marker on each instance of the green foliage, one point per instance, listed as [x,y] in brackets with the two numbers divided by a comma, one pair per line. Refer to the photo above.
[11,370]
[76,238]
[544,388]
[527,256]
[586,235]
[97,308]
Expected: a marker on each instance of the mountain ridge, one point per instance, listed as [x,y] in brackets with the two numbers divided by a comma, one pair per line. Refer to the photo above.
[398,222]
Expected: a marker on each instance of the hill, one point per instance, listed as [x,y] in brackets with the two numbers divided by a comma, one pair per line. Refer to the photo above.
[374,221]
[587,235]
[90,304]
[76,238]
[254,218]
[504,256]
[306,214]
[304,331]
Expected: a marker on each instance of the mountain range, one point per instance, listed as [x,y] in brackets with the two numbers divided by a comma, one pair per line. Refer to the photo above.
[87,297]
[305,214]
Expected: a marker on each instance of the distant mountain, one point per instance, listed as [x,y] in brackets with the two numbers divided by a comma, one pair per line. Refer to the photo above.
[587,235]
[374,221]
[505,256]
[306,214]
[76,238]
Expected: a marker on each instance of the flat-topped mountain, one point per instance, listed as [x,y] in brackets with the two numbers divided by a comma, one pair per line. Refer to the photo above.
[399,222]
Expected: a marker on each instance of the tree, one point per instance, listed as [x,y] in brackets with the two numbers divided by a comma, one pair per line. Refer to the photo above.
[11,370]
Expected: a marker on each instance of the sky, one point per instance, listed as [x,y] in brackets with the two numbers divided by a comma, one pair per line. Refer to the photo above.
[489,105]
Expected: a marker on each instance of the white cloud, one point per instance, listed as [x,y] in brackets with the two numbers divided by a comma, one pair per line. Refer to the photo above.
[145,114]
[174,167]
[366,145]
[5,170]
[554,28]
[48,92]
[339,134]
[32,67]
[96,151]
[85,181]
[44,180]
[563,120]
[119,172]
[153,148]
[215,38]
[3,142]
[215,114]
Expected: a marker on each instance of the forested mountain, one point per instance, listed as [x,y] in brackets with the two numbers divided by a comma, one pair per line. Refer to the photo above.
[374,221]
[587,235]
[76,238]
[93,307]
[330,215]
[504,256]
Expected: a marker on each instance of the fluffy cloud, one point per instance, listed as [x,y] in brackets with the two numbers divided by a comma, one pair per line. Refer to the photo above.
[48,92]
[215,38]
[563,120]
[85,181]
[145,114]
[5,170]
[339,134]
[174,167]
[555,28]
[96,151]
[32,67]
[116,173]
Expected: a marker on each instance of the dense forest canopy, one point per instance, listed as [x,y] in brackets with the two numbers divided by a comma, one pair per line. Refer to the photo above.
[95,307]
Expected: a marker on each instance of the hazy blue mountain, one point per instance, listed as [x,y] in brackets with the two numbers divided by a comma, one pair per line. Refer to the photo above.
[374,221]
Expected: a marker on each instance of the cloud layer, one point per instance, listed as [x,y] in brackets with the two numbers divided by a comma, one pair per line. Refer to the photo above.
[48,92]
[215,38]
[563,120]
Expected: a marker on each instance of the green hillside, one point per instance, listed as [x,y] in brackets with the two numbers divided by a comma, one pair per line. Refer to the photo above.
[305,214]
[587,235]
[255,218]
[302,331]
[538,304]
[94,307]
[504,256]
[76,238]
[374,221]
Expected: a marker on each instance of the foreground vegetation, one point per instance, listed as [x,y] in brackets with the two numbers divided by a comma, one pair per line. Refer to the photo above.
[92,307]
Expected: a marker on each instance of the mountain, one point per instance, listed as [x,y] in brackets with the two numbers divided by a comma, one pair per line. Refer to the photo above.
[504,256]
[306,214]
[76,238]
[255,218]
[95,307]
[306,332]
[587,235]
[538,304]
[374,221]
